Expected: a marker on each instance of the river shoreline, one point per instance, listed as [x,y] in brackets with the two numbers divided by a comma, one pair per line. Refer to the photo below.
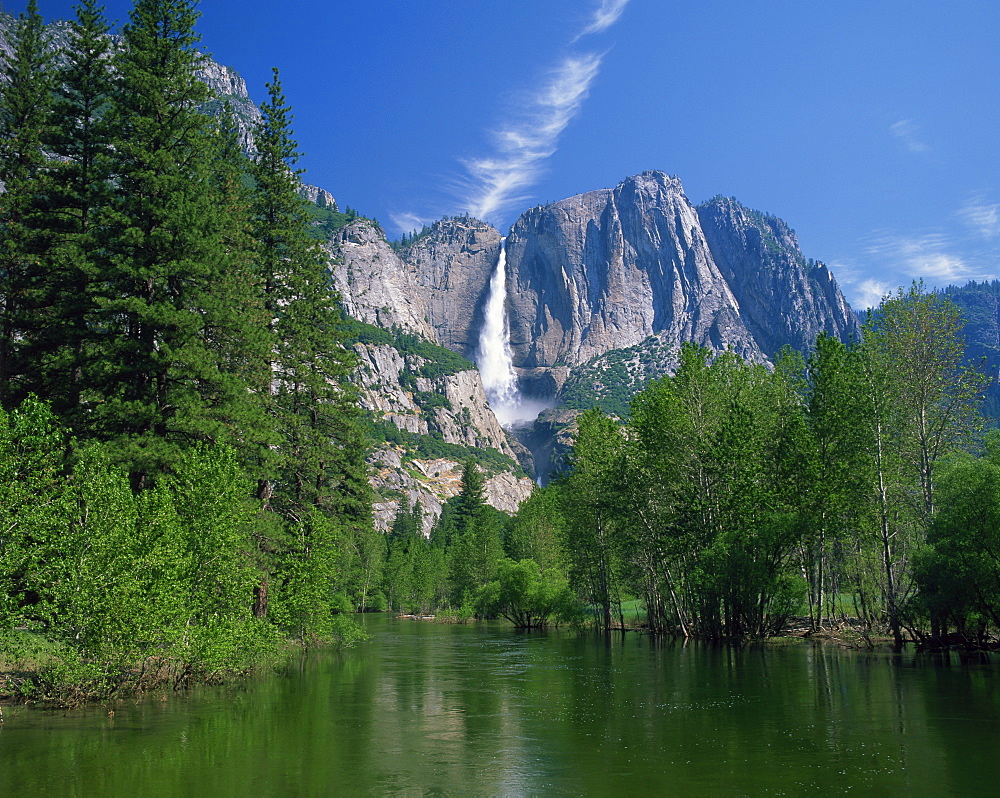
[158,674]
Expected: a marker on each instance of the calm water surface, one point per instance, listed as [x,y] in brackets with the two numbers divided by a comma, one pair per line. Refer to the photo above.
[429,709]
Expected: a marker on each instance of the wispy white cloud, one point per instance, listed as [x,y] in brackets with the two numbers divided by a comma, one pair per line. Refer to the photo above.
[499,181]
[935,257]
[408,222]
[603,17]
[861,290]
[907,131]
[951,254]
[868,294]
[981,217]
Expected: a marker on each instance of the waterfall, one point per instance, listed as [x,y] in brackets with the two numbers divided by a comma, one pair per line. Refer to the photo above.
[495,360]
[494,357]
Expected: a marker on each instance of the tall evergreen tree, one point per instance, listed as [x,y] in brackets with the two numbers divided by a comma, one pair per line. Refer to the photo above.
[322,450]
[156,382]
[476,541]
[78,187]
[318,470]
[25,104]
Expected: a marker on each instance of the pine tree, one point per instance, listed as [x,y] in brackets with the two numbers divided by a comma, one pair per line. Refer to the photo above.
[313,401]
[157,381]
[402,524]
[476,544]
[25,104]
[320,467]
[78,187]
[238,330]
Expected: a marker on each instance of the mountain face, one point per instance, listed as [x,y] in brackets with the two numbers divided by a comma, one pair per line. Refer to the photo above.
[611,269]
[979,304]
[433,413]
[453,264]
[634,267]
[784,299]
[435,287]
[375,286]
[607,269]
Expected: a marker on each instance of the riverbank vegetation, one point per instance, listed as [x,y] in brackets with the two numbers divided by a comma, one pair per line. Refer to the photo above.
[850,486]
[182,476]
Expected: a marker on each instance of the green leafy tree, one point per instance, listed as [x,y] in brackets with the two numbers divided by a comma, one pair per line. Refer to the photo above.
[322,449]
[538,529]
[834,478]
[595,566]
[403,523]
[920,406]
[527,596]
[34,511]
[959,571]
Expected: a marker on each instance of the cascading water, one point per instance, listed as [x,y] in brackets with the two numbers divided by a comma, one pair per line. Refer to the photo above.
[496,366]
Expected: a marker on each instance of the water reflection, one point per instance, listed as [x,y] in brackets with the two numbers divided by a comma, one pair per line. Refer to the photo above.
[434,709]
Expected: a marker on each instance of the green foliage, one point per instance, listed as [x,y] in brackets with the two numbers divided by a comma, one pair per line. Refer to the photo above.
[427,447]
[131,589]
[415,575]
[595,562]
[408,240]
[324,221]
[437,361]
[428,400]
[959,570]
[610,381]
[76,185]
[25,121]
[527,596]
[200,445]
[538,530]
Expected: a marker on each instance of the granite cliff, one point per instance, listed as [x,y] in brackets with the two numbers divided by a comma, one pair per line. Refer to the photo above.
[602,289]
[639,266]
[785,300]
[430,414]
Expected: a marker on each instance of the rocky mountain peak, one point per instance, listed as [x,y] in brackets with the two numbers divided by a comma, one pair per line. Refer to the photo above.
[608,269]
[375,285]
[785,299]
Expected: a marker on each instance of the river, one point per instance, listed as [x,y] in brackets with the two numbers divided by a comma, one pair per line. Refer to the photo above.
[434,709]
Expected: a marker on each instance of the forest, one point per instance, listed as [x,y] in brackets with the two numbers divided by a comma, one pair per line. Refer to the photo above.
[182,462]
[183,479]
[851,486]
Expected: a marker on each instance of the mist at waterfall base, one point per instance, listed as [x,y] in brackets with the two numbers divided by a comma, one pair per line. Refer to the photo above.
[495,360]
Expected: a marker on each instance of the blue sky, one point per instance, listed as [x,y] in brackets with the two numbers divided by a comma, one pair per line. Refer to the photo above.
[870,127]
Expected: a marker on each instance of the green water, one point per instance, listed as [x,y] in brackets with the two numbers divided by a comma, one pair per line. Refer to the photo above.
[429,709]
